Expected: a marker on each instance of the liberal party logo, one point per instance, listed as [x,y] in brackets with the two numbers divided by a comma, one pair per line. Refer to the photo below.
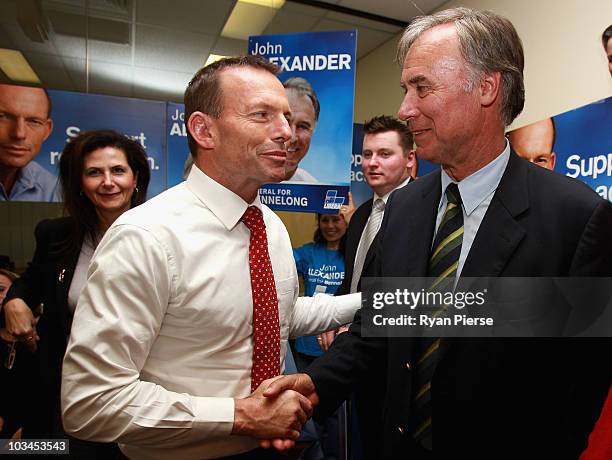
[332,200]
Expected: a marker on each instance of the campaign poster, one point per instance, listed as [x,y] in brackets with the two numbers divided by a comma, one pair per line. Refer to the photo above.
[319,66]
[577,143]
[141,120]
[179,156]
[360,189]
[583,145]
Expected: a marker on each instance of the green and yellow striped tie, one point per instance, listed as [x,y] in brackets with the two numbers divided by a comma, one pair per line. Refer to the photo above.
[443,264]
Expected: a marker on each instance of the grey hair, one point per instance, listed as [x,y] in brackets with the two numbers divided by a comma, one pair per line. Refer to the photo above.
[304,88]
[488,43]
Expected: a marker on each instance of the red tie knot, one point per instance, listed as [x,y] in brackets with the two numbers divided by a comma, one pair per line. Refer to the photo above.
[253,218]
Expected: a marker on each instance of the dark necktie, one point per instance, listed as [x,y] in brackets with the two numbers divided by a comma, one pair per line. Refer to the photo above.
[443,263]
[266,326]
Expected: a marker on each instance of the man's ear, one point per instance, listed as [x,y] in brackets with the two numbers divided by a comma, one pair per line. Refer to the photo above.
[48,128]
[201,128]
[490,88]
[553,160]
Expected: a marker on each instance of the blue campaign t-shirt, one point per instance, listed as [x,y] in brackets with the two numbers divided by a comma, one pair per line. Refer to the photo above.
[322,270]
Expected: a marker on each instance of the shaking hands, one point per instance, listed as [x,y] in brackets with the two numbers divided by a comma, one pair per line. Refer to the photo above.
[276,411]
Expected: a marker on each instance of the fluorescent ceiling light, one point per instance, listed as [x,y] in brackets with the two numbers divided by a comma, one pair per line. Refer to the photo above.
[213,58]
[250,17]
[16,67]
[276,4]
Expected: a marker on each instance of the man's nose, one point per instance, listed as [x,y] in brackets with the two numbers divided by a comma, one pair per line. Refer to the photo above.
[19,128]
[283,131]
[408,107]
[374,160]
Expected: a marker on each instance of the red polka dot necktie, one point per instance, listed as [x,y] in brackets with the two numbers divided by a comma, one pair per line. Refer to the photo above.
[266,326]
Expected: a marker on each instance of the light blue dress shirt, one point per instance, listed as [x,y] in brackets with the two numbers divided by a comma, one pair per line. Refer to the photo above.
[476,194]
[34,183]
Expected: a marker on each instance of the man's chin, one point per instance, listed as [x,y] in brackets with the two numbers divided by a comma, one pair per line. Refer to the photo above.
[276,176]
[289,173]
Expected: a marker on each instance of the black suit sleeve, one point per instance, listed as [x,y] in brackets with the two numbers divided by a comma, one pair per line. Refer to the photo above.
[593,255]
[593,377]
[351,359]
[346,364]
[29,286]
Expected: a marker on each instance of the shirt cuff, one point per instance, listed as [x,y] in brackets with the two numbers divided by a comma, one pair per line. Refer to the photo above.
[214,416]
[346,306]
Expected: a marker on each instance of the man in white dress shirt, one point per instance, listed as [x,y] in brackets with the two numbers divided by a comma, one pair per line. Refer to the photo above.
[161,352]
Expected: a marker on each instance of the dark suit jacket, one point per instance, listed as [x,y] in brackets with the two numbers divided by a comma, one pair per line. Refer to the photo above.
[47,281]
[492,398]
[368,393]
[368,400]
[353,235]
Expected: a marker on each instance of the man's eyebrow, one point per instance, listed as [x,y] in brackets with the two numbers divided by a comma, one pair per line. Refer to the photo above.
[417,79]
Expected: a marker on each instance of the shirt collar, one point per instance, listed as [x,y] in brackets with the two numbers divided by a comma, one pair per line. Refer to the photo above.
[222,202]
[480,184]
[26,176]
[385,197]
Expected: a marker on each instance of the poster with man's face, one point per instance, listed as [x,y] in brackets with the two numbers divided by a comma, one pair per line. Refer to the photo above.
[577,143]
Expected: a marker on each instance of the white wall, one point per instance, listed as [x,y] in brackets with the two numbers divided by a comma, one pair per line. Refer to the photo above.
[565,64]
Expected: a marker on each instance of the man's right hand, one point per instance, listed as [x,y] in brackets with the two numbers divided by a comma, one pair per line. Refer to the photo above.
[279,416]
[301,383]
[20,323]
[348,209]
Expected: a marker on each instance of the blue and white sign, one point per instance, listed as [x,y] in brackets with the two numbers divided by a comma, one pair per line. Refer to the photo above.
[178,148]
[583,145]
[142,120]
[326,60]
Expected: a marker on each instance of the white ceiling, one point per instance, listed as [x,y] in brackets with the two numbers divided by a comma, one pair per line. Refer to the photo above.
[151,48]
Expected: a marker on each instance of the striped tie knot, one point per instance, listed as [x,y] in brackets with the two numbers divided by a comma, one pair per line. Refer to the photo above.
[452,194]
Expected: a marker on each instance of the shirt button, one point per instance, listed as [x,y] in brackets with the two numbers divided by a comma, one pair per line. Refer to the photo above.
[408,366]
[400,429]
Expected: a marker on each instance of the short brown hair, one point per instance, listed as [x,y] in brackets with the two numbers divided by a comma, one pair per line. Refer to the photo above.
[488,43]
[384,123]
[203,93]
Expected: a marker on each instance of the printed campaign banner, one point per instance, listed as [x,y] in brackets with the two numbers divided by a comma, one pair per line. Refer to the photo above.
[178,149]
[142,120]
[577,143]
[360,189]
[583,145]
[325,64]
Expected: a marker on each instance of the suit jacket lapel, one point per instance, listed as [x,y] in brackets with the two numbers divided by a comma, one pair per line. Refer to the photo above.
[499,233]
[412,219]
[358,223]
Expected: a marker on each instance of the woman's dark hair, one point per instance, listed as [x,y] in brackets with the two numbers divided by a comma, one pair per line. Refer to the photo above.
[76,203]
[319,239]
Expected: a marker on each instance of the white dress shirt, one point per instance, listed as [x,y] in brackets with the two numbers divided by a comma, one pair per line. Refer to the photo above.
[161,341]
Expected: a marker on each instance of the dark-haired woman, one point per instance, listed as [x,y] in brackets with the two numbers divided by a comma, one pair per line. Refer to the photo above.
[102,174]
